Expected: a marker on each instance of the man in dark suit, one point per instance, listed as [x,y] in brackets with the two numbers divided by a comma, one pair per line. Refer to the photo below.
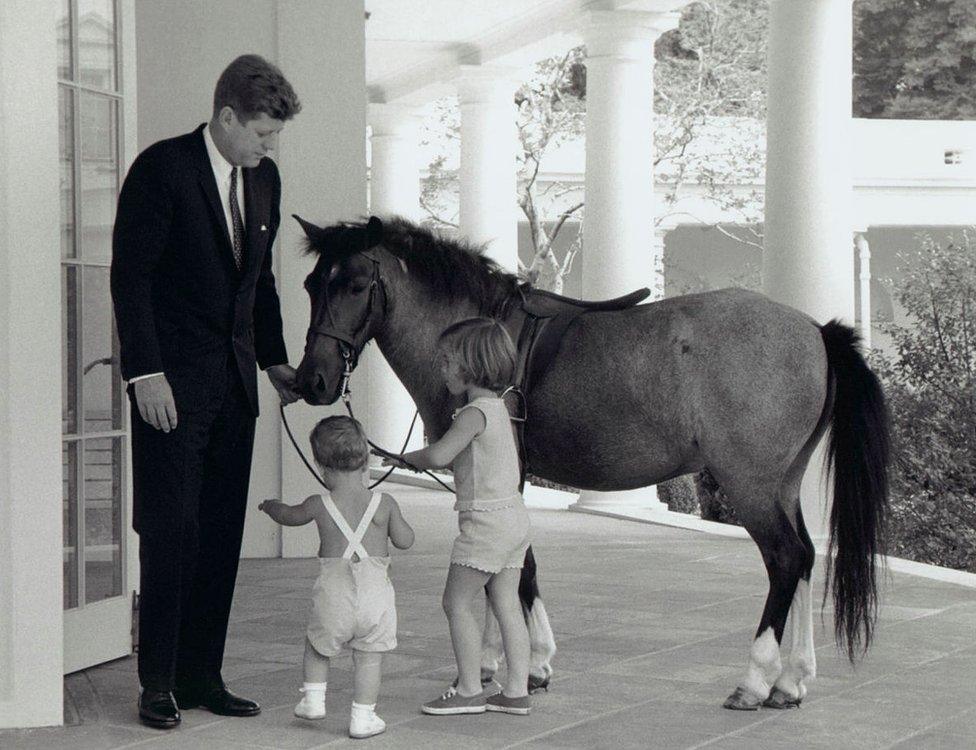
[196,307]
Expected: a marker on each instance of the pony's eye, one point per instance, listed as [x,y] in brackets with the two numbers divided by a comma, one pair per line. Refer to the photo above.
[359,288]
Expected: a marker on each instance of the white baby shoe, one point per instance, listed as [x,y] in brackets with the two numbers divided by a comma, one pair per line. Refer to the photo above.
[312,704]
[363,722]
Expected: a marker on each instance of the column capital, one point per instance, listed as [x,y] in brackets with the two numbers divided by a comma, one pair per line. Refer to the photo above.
[486,83]
[625,34]
[392,119]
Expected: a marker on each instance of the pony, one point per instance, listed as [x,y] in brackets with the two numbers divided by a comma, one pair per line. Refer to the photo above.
[729,381]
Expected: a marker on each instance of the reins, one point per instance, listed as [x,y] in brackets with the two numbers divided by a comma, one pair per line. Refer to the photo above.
[348,348]
[346,373]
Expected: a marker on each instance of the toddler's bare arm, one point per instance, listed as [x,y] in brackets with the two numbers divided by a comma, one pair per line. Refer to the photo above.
[290,515]
[401,534]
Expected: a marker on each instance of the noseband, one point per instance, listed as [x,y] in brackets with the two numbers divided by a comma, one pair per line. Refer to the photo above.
[351,344]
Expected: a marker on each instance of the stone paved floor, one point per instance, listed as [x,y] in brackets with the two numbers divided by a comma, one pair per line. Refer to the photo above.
[653,626]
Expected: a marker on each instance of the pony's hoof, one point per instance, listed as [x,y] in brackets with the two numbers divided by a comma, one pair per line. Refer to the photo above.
[781,699]
[538,683]
[743,700]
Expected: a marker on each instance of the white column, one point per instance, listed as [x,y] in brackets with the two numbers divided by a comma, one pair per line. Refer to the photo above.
[807,261]
[620,249]
[657,279]
[394,179]
[31,613]
[864,277]
[394,189]
[807,235]
[618,221]
[487,198]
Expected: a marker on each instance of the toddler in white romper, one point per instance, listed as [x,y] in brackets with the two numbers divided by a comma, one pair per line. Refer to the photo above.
[352,600]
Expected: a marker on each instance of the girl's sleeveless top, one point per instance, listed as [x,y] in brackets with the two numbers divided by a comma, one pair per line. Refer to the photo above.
[486,472]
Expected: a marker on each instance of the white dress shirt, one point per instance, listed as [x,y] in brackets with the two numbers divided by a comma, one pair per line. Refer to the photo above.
[221,170]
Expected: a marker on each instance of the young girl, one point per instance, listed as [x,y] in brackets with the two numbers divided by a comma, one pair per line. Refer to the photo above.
[476,357]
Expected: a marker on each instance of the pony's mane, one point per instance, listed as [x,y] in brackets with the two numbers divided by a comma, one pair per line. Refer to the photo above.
[449,269]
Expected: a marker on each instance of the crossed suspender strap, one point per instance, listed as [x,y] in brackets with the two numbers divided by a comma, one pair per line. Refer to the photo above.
[355,538]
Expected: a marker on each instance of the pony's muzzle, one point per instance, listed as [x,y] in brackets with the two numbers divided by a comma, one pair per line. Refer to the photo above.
[313,387]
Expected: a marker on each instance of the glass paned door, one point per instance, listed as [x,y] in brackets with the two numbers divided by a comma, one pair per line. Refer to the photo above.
[97,596]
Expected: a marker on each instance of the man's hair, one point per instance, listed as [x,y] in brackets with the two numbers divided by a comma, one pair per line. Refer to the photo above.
[339,443]
[251,85]
[484,351]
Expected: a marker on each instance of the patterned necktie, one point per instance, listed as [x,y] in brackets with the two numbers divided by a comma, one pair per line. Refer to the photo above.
[235,216]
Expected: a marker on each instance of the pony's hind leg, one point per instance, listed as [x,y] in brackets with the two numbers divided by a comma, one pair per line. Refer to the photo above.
[783,555]
[801,665]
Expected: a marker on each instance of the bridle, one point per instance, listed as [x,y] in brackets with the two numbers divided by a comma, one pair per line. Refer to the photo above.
[351,345]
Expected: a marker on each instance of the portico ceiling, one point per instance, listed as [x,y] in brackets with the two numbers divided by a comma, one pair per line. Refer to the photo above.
[414,47]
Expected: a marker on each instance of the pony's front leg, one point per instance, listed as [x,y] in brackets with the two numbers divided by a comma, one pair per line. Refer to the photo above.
[492,651]
[542,646]
[801,665]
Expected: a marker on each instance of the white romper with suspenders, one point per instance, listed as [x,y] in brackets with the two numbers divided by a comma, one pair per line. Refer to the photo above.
[353,602]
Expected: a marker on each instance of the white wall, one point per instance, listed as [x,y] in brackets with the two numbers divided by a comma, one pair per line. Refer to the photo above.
[323,164]
[30,369]
[183,45]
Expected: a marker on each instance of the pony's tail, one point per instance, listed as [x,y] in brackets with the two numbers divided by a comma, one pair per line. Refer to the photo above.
[857,455]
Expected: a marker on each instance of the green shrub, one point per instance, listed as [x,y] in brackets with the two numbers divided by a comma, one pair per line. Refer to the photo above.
[679,495]
[713,502]
[930,384]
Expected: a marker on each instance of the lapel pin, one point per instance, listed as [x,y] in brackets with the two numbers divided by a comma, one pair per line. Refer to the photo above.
[264,228]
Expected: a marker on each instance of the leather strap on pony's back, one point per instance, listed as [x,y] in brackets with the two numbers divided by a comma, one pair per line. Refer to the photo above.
[538,343]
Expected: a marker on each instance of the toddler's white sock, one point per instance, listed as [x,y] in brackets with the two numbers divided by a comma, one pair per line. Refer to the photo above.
[312,704]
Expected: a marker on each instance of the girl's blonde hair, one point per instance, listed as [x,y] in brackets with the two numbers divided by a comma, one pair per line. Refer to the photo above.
[339,443]
[484,351]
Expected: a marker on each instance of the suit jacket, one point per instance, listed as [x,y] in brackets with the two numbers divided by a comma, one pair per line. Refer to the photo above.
[181,305]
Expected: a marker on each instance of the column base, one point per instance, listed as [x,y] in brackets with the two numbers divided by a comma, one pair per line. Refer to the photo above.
[644,498]
[643,506]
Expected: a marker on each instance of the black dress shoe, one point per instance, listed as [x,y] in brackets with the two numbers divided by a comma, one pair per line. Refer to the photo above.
[158,710]
[186,698]
[223,702]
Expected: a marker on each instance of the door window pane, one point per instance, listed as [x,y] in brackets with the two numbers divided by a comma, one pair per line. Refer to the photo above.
[101,377]
[69,512]
[99,175]
[64,40]
[103,518]
[66,151]
[69,350]
[96,44]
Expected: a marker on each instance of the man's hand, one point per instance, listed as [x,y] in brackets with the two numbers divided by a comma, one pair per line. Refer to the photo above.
[285,380]
[265,505]
[155,401]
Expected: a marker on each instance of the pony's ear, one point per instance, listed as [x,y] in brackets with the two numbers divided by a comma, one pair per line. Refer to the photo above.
[311,231]
[374,231]
[403,264]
